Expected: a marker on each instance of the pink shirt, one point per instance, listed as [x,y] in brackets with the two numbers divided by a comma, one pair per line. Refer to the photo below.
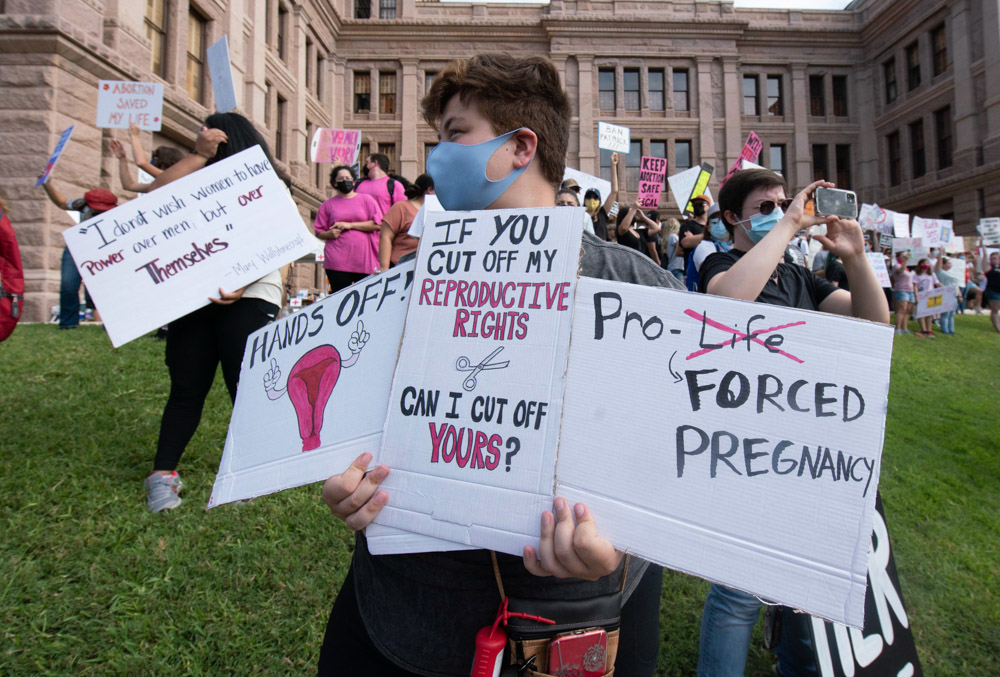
[902,278]
[378,189]
[354,251]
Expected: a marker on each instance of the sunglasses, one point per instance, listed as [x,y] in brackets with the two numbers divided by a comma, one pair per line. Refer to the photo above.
[767,206]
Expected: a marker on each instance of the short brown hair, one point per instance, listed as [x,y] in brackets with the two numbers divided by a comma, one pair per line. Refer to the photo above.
[511,92]
[734,192]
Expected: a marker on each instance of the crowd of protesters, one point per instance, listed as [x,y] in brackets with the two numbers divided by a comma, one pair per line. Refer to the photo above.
[755,244]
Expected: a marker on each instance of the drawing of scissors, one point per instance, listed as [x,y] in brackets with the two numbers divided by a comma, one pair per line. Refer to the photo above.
[465,364]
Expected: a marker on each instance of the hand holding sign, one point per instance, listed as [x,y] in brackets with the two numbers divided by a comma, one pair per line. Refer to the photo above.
[569,549]
[352,495]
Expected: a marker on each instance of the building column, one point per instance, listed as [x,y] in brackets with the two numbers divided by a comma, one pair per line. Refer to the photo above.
[869,177]
[706,115]
[254,49]
[408,157]
[966,133]
[800,102]
[337,67]
[991,63]
[588,143]
[298,133]
[733,100]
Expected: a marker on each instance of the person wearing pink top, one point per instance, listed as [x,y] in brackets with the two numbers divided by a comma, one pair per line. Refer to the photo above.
[377,182]
[349,223]
[903,293]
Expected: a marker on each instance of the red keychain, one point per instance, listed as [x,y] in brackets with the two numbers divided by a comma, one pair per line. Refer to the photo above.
[491,640]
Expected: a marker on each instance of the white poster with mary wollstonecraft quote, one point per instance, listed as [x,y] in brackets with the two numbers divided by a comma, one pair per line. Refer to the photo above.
[161,256]
[473,419]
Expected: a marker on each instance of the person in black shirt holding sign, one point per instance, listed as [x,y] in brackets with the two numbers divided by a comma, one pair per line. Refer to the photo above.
[753,205]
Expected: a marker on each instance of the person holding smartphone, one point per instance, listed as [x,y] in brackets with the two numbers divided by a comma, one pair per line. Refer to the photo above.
[761,221]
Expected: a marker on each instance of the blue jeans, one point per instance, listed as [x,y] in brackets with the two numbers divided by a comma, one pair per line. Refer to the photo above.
[69,292]
[948,322]
[727,625]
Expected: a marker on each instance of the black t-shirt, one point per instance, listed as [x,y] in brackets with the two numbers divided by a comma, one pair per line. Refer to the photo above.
[835,273]
[689,227]
[601,224]
[993,280]
[791,286]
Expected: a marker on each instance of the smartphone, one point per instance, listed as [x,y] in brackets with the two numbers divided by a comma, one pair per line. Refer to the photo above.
[583,653]
[835,202]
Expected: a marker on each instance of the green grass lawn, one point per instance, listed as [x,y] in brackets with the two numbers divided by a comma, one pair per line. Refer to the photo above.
[93,583]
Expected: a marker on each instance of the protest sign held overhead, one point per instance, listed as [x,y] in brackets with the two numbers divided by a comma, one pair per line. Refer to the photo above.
[873,217]
[765,401]
[885,646]
[931,231]
[162,255]
[613,137]
[474,411]
[220,70]
[337,146]
[56,154]
[652,170]
[900,223]
[120,104]
[690,183]
[305,406]
[751,151]
[877,262]
[990,230]
[907,244]
[937,300]
[588,181]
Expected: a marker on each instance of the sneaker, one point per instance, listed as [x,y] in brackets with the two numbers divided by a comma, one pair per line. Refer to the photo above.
[161,491]
[919,335]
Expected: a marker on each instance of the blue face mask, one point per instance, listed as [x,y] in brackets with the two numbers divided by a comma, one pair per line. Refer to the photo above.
[459,174]
[761,225]
[718,230]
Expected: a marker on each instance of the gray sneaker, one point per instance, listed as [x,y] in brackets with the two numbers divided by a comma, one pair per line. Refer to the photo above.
[161,491]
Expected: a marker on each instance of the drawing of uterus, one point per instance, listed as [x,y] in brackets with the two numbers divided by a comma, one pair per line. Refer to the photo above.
[310,383]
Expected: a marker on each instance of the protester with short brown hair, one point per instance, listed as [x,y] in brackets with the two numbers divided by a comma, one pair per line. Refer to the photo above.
[418,614]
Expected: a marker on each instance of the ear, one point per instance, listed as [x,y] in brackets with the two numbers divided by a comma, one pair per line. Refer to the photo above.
[525,146]
[731,217]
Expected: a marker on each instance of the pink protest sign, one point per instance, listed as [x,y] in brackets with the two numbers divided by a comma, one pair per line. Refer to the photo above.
[751,151]
[339,146]
[652,170]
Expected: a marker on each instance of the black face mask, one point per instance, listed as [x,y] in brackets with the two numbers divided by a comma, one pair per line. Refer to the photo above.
[345,186]
[364,171]
[698,208]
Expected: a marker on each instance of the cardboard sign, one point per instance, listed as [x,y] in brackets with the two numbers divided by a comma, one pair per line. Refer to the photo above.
[900,223]
[163,254]
[651,173]
[337,146]
[474,410]
[431,204]
[120,104]
[54,158]
[936,301]
[931,231]
[220,71]
[751,151]
[613,137]
[873,217]
[314,389]
[877,262]
[690,183]
[885,645]
[990,230]
[587,182]
[764,402]
[907,244]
